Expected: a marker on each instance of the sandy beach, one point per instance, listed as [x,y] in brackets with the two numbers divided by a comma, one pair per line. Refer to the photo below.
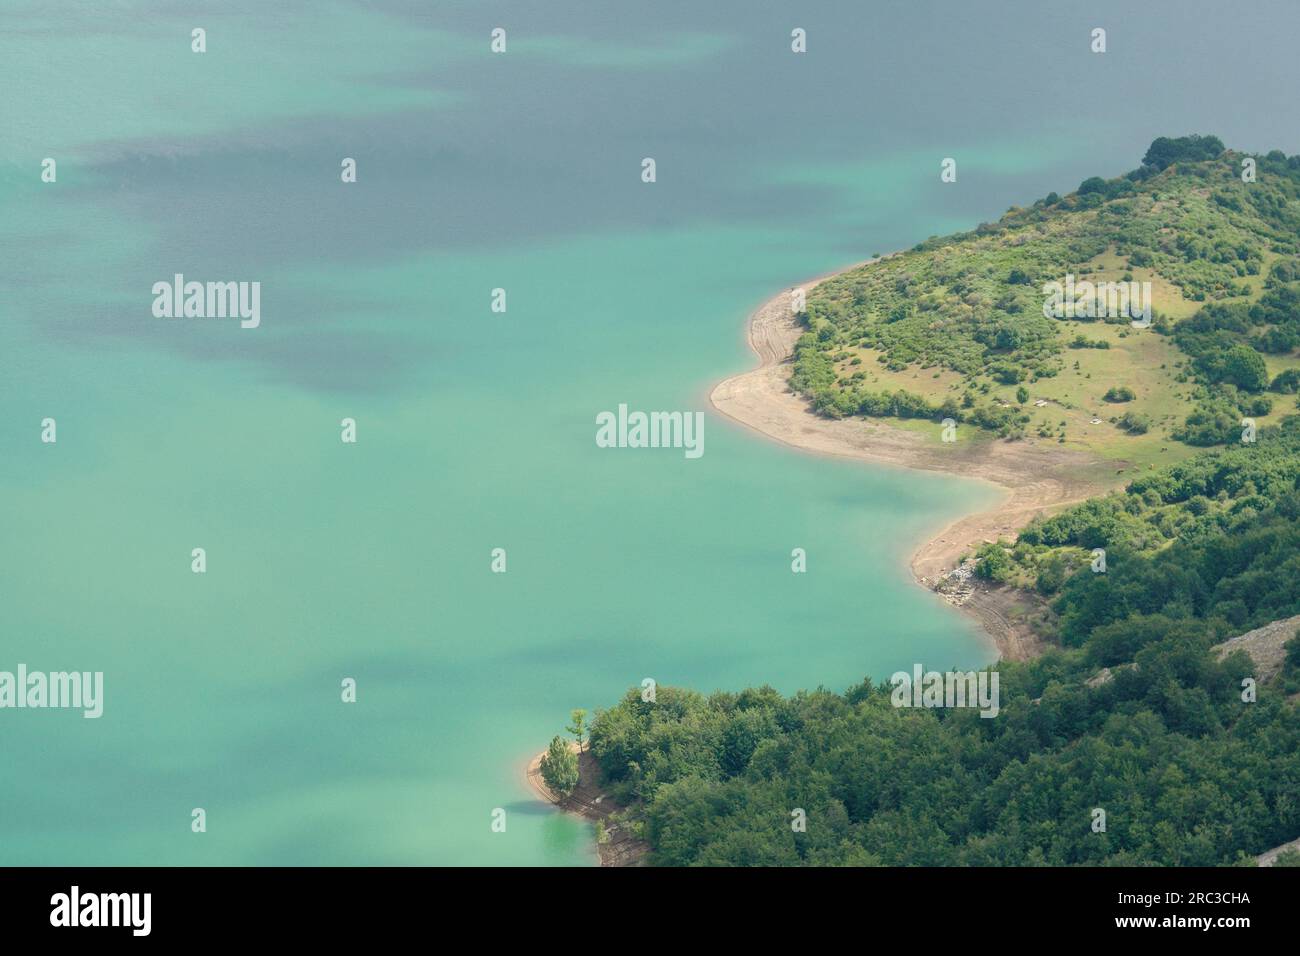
[620,848]
[1034,478]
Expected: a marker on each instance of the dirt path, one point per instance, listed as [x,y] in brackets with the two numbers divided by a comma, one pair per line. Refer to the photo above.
[588,801]
[1270,858]
[1036,478]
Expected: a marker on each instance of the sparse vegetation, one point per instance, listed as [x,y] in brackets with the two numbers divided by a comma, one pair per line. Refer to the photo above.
[915,335]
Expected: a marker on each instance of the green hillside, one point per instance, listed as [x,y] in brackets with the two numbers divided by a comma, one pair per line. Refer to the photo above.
[956,328]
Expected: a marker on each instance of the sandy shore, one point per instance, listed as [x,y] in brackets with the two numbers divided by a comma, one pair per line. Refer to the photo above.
[1034,478]
[620,848]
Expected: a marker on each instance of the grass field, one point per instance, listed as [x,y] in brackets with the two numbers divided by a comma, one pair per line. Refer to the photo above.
[961,320]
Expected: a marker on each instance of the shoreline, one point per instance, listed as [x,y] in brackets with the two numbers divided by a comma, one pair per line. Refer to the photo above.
[586,801]
[1033,479]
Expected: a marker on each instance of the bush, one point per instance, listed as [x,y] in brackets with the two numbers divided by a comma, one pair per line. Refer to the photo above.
[1083,342]
[1210,424]
[1244,367]
[1134,424]
[1288,382]
[1051,574]
[992,563]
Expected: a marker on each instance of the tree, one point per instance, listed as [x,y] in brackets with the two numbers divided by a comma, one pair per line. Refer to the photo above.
[578,726]
[560,767]
[992,563]
[1288,382]
[1022,395]
[1052,574]
[1134,424]
[1165,150]
[1245,368]
[1292,648]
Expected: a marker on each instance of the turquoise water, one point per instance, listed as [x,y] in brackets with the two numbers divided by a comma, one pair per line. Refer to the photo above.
[475,429]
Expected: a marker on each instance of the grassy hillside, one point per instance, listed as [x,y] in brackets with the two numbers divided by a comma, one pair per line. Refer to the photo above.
[956,328]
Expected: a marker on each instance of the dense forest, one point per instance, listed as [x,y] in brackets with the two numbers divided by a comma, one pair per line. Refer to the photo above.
[956,327]
[1186,771]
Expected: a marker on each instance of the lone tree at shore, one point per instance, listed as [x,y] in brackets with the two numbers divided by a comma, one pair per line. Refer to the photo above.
[560,767]
[578,726]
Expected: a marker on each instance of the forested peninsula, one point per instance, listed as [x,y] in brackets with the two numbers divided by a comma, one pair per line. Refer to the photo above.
[1164,700]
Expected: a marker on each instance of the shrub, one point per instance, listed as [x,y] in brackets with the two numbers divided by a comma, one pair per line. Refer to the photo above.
[560,767]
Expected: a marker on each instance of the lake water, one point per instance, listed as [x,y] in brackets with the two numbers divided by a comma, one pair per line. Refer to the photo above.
[476,171]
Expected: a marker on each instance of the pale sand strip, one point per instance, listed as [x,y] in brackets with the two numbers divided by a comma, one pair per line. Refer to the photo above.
[1038,478]
[620,848]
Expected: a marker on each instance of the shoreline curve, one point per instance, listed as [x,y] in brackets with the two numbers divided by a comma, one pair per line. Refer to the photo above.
[620,846]
[1034,479]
